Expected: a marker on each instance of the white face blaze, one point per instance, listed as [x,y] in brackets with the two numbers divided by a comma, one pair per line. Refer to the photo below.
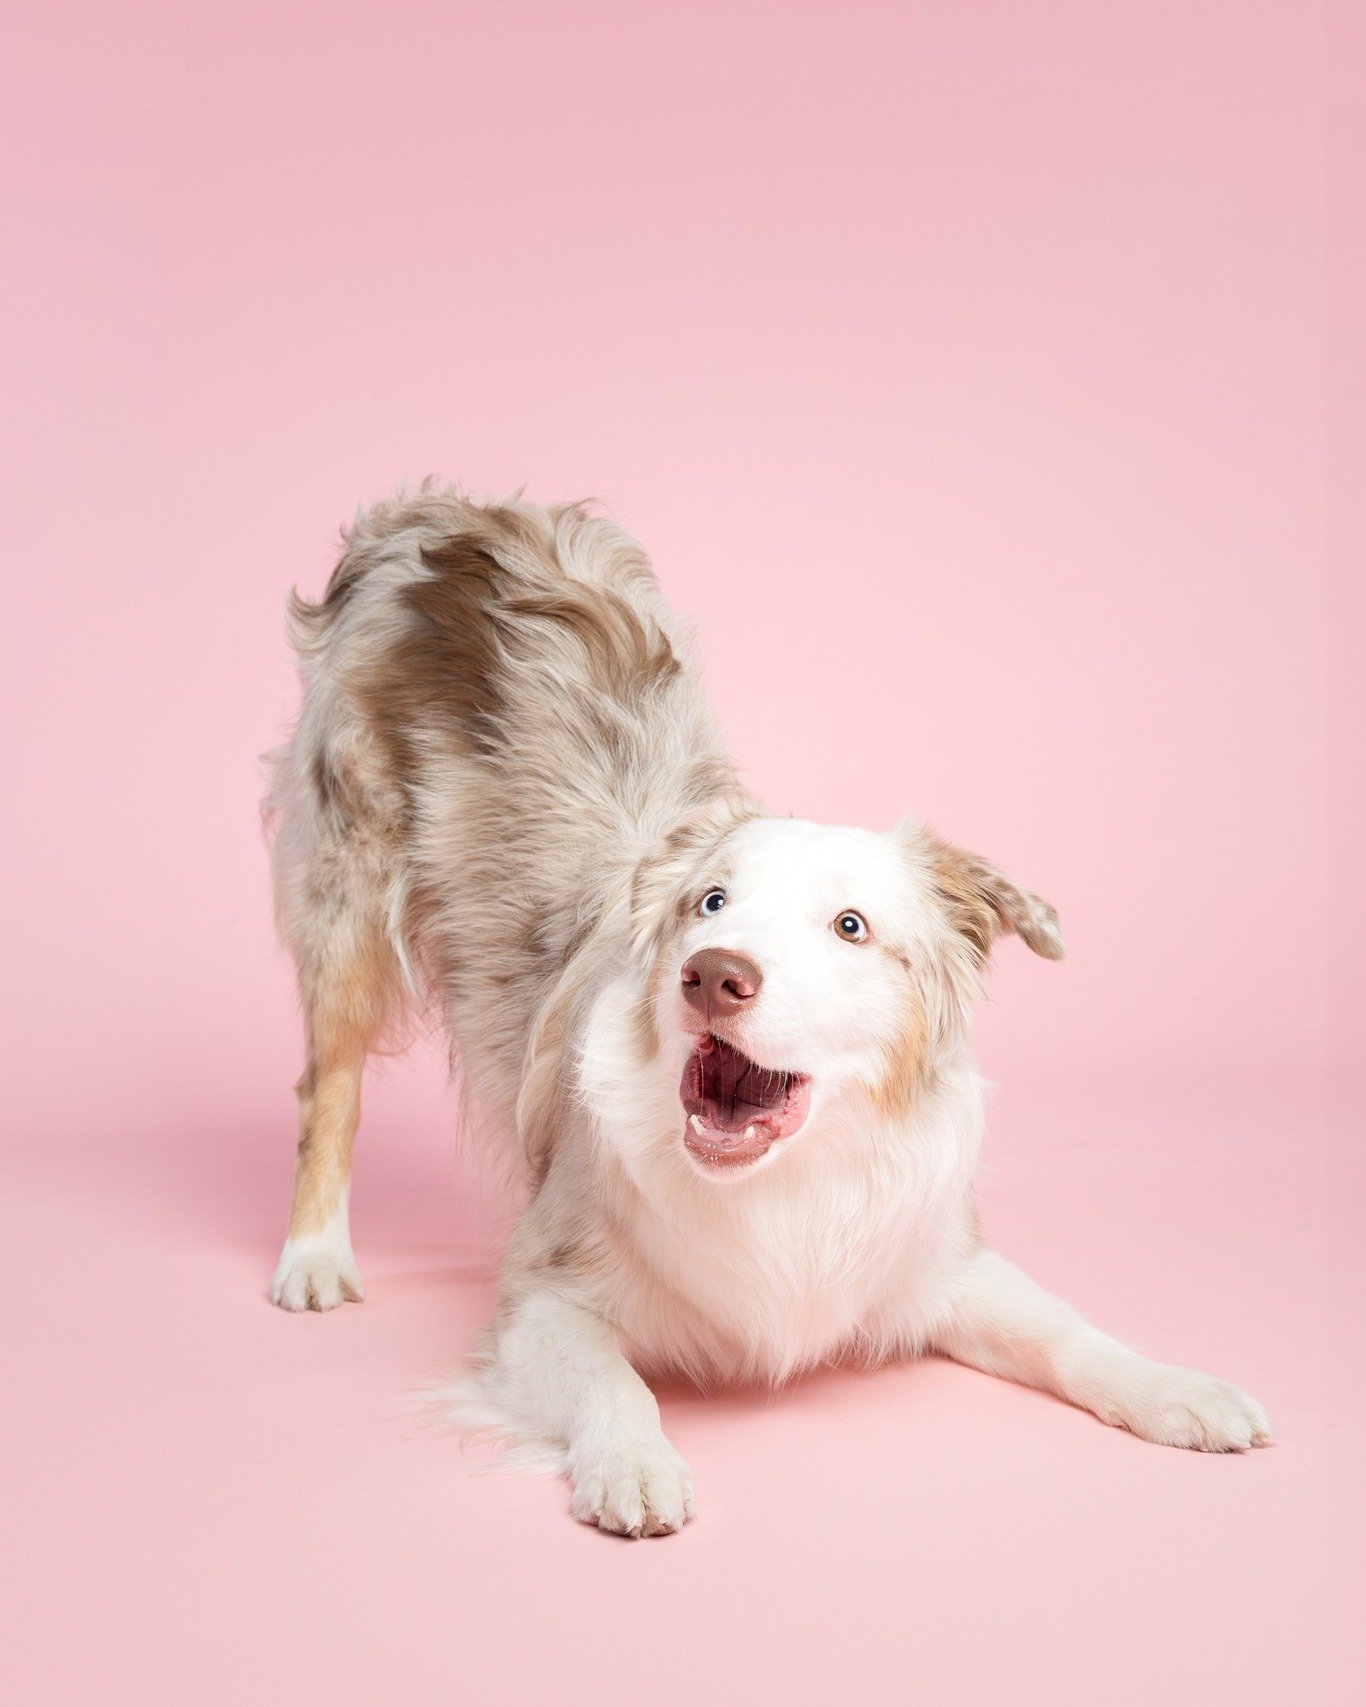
[834,1003]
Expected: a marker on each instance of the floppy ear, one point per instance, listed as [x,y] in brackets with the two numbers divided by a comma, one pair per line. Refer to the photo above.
[981,900]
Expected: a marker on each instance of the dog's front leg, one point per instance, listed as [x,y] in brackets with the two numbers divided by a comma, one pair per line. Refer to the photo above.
[1001,1322]
[557,1369]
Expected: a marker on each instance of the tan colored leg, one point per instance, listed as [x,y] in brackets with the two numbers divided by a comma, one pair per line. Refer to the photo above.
[329,1113]
[317,1269]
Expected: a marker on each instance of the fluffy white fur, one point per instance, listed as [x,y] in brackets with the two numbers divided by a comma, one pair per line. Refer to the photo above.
[506,795]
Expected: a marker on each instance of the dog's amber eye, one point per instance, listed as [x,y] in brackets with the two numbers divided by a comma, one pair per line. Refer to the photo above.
[852,927]
[711,903]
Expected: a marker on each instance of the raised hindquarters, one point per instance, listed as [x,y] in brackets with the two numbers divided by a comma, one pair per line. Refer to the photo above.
[500,717]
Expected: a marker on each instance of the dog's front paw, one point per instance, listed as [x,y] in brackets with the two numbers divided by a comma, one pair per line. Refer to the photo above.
[316,1274]
[1182,1407]
[632,1487]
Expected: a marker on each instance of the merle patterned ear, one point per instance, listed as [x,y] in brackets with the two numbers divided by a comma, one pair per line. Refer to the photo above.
[982,901]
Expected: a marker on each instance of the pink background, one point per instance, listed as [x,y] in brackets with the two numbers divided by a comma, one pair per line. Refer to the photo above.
[987,379]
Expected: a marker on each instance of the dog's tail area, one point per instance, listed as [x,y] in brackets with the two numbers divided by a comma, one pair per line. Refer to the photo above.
[333,806]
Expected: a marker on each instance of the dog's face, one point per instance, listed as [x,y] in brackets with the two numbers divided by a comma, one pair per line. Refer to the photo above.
[797,969]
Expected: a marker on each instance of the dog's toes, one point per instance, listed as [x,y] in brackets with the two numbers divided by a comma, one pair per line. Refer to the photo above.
[638,1488]
[1182,1407]
[312,1276]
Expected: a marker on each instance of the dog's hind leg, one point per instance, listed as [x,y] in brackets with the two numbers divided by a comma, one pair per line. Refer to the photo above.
[333,913]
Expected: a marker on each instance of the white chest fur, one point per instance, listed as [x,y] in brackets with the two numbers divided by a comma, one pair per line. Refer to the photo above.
[839,1251]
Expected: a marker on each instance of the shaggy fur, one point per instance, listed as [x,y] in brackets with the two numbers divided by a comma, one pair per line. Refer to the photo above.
[729,1054]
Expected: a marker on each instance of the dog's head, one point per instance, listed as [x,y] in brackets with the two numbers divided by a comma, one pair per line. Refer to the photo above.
[792,971]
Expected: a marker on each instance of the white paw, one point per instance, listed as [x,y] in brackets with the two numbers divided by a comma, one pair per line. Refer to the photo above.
[316,1274]
[1182,1407]
[633,1487]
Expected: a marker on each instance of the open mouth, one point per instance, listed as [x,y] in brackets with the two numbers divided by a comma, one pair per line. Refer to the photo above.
[737,1110]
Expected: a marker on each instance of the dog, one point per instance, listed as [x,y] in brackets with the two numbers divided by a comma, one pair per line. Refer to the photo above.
[729,1053]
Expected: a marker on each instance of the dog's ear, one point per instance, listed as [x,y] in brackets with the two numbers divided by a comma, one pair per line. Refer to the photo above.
[981,901]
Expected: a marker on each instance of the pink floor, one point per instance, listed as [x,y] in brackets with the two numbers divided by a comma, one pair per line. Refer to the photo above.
[987,380]
[236,1505]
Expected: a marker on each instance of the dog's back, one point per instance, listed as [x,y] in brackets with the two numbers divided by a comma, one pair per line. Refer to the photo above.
[498,718]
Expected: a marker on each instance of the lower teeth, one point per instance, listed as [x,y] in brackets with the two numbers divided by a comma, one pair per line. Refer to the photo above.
[702,1131]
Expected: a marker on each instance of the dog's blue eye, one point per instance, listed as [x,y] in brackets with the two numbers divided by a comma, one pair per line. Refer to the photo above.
[852,927]
[712,902]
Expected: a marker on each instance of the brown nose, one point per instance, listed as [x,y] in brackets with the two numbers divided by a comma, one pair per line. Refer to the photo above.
[719,981]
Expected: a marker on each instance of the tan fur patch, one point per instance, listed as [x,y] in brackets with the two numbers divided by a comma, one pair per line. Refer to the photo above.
[472,612]
[445,671]
[906,1060]
[346,1007]
[328,1117]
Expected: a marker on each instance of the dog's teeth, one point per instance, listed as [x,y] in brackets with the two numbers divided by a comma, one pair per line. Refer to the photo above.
[749,1132]
[695,1121]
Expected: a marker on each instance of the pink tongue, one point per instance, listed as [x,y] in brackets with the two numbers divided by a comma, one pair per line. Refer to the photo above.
[733,1093]
[723,1117]
[736,1110]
